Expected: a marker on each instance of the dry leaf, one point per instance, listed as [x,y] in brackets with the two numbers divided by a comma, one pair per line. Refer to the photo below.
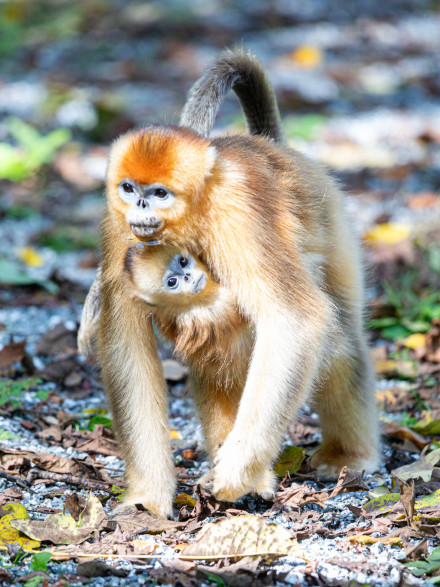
[349,481]
[12,353]
[62,528]
[297,496]
[395,430]
[56,340]
[420,469]
[247,535]
[134,521]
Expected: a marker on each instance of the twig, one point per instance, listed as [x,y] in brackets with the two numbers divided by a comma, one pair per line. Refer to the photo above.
[13,479]
[69,479]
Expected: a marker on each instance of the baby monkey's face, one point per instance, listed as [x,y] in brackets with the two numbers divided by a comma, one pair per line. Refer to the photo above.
[183,276]
[164,278]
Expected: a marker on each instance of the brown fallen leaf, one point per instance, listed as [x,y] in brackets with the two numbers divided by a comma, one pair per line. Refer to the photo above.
[57,371]
[298,496]
[407,499]
[395,430]
[56,340]
[10,494]
[75,504]
[240,536]
[19,462]
[12,353]
[62,528]
[137,522]
[98,568]
[349,481]
[432,338]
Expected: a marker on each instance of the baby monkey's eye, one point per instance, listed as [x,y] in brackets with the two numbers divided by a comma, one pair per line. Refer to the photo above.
[160,193]
[127,187]
[172,282]
[183,262]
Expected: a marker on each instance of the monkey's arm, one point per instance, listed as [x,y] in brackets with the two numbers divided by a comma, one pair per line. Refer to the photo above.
[241,72]
[88,327]
[133,377]
[288,350]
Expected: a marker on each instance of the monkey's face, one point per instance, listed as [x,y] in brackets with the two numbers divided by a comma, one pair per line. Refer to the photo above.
[145,205]
[154,178]
[164,278]
[184,276]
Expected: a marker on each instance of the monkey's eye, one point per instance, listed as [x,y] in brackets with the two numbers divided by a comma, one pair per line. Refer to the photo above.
[183,262]
[172,282]
[160,193]
[127,187]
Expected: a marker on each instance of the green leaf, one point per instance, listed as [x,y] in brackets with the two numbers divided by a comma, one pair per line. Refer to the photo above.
[427,425]
[289,461]
[34,581]
[39,561]
[382,504]
[106,422]
[395,332]
[12,274]
[5,435]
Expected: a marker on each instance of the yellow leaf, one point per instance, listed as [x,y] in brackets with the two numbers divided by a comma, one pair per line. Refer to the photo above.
[385,396]
[184,499]
[388,233]
[307,56]
[9,534]
[174,435]
[388,366]
[415,341]
[427,425]
[365,539]
[30,257]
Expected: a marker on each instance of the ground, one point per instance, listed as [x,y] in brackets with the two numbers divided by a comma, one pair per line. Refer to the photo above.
[358,86]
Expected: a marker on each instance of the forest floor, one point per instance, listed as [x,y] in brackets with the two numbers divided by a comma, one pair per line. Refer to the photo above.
[359,90]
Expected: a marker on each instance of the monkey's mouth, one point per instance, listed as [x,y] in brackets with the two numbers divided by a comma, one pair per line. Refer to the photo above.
[145,230]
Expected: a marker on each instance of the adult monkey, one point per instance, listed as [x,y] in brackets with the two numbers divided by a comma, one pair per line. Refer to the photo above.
[269,225]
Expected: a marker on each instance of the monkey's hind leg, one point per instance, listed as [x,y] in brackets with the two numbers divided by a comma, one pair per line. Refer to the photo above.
[217,410]
[347,409]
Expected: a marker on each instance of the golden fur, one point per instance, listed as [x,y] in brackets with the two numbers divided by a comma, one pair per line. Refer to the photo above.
[269,225]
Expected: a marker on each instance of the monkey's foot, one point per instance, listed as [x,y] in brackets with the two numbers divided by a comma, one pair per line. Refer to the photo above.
[161,506]
[329,460]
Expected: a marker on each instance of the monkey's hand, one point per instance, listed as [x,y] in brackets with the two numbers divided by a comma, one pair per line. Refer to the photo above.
[235,475]
[265,488]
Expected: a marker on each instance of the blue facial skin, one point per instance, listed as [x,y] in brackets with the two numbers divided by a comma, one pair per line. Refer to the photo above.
[182,276]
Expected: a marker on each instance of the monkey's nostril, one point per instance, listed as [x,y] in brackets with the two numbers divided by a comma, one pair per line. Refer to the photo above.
[143,203]
[187,276]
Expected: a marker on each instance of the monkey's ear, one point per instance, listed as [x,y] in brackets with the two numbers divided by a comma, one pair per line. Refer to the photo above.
[211,157]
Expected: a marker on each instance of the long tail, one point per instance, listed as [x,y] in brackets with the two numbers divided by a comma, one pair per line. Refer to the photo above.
[244,74]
